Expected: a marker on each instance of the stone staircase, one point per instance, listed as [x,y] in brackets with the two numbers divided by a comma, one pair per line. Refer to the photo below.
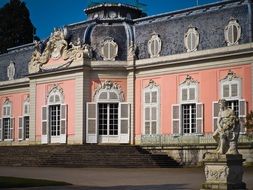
[109,156]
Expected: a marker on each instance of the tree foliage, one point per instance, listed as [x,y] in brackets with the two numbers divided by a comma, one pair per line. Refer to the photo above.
[16,27]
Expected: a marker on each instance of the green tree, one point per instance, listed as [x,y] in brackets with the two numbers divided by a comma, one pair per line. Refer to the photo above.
[16,27]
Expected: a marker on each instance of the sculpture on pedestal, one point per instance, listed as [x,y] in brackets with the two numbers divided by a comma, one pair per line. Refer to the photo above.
[228,129]
[223,167]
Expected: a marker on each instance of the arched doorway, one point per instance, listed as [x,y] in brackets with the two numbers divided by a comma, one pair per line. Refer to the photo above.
[108,116]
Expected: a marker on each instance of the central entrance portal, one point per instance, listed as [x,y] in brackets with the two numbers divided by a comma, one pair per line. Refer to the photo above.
[108,129]
[108,116]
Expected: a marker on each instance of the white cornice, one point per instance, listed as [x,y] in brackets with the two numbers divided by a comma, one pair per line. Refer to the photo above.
[218,53]
[14,83]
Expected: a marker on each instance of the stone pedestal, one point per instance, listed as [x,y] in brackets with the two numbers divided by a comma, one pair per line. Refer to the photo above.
[223,172]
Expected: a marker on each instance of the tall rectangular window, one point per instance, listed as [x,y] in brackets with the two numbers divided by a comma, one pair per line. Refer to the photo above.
[7,131]
[151,112]
[189,118]
[108,118]
[26,126]
[54,120]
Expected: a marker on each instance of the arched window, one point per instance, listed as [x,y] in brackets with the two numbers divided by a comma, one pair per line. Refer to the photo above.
[187,117]
[191,39]
[24,121]
[154,46]
[108,116]
[230,90]
[109,49]
[232,32]
[7,122]
[151,102]
[54,117]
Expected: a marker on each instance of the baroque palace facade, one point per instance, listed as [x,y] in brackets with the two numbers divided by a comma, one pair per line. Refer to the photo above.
[124,77]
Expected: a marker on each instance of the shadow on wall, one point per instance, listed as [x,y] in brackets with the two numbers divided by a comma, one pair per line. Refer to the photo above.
[146,187]
[188,157]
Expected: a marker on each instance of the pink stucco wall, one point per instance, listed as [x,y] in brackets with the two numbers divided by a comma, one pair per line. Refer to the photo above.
[17,100]
[42,91]
[208,92]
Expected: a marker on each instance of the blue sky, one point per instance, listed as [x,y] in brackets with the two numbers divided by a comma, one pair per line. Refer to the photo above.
[47,14]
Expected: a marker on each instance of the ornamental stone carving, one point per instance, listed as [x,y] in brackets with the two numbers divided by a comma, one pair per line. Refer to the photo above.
[131,51]
[56,48]
[230,76]
[109,86]
[216,173]
[189,81]
[228,129]
[151,84]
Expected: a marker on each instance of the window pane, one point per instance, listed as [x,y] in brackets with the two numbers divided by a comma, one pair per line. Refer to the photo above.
[153,127]
[147,97]
[147,114]
[184,94]
[235,33]
[147,128]
[154,113]
[225,90]
[192,93]
[230,34]
[234,90]
[154,97]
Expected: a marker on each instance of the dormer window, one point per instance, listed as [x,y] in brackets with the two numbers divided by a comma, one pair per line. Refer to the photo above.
[191,39]
[232,32]
[11,70]
[154,46]
[109,49]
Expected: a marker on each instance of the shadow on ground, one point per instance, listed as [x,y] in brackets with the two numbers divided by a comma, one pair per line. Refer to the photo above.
[141,187]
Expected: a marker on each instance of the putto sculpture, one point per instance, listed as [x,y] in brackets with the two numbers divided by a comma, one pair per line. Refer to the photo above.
[228,129]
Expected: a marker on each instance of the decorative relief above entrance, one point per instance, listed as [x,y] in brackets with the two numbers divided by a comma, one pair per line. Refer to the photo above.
[108,90]
[57,47]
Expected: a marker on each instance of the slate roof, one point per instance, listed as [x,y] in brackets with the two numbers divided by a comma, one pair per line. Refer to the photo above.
[210,21]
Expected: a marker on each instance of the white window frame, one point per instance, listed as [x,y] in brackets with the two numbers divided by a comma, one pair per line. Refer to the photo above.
[56,91]
[230,79]
[236,81]
[152,87]
[190,32]
[190,119]
[232,23]
[26,113]
[7,114]
[157,49]
[188,84]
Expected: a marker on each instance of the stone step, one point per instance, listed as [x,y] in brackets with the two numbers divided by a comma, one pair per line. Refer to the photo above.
[83,156]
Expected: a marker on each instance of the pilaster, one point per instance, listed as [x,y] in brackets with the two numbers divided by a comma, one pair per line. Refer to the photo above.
[78,137]
[130,99]
[32,129]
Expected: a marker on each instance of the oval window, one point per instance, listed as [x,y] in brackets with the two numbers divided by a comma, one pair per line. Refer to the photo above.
[232,32]
[191,39]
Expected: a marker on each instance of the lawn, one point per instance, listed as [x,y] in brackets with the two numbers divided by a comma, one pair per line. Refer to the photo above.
[12,182]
